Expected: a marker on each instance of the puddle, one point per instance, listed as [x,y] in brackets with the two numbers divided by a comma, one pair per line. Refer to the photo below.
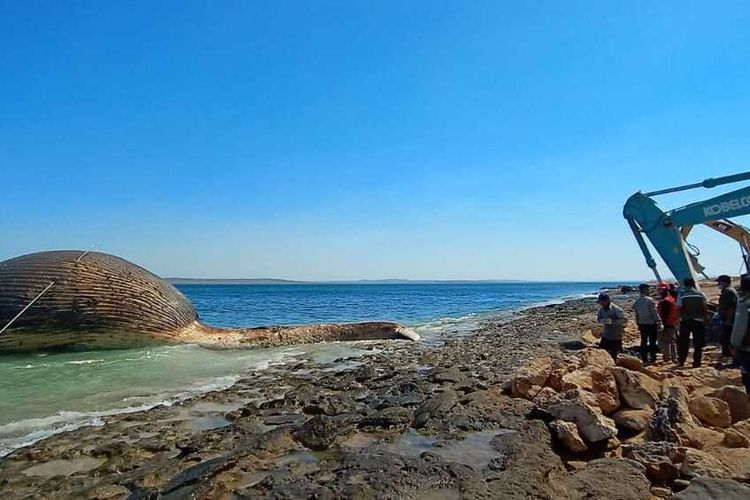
[410,444]
[211,407]
[360,440]
[302,462]
[208,422]
[474,450]
[64,467]
[250,479]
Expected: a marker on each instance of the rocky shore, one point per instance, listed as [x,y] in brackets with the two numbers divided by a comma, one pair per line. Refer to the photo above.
[524,408]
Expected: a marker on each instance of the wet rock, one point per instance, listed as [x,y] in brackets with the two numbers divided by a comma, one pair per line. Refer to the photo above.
[636,389]
[318,433]
[198,473]
[364,373]
[604,387]
[573,406]
[109,492]
[388,417]
[710,411]
[632,420]
[442,375]
[434,407]
[284,418]
[567,433]
[702,488]
[737,400]
[530,469]
[612,478]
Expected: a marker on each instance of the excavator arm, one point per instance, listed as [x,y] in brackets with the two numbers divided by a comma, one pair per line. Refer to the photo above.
[664,229]
[737,232]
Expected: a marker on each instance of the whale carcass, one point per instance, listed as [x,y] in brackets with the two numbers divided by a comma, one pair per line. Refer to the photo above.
[99,301]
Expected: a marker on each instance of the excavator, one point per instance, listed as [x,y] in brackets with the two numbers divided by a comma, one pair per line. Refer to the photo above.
[668,230]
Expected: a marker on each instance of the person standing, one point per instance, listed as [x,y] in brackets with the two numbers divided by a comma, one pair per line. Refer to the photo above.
[727,306]
[648,321]
[613,319]
[693,319]
[670,316]
[740,339]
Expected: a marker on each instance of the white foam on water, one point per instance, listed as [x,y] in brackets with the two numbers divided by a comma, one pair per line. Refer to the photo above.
[22,433]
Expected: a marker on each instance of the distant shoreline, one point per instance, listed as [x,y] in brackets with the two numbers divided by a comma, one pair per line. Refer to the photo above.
[273,281]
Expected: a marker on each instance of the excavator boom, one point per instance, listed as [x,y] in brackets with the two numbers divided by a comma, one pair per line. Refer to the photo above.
[666,231]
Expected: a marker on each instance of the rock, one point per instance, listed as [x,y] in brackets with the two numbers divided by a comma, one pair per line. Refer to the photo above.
[672,420]
[654,374]
[442,375]
[555,380]
[579,379]
[109,491]
[659,458]
[388,417]
[737,399]
[198,473]
[604,388]
[659,492]
[702,488]
[636,389]
[735,439]
[700,463]
[567,433]
[612,478]
[546,394]
[529,379]
[711,411]
[632,420]
[596,358]
[743,427]
[629,362]
[433,407]
[364,373]
[576,464]
[574,406]
[680,484]
[318,433]
[572,344]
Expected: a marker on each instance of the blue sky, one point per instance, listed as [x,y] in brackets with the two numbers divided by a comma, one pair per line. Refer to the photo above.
[346,140]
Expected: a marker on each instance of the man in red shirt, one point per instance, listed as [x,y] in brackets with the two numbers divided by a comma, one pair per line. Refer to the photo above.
[669,314]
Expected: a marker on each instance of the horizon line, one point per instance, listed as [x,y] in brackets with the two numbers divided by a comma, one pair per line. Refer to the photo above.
[280,281]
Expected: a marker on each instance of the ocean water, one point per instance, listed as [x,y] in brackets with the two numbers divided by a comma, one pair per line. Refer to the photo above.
[45,393]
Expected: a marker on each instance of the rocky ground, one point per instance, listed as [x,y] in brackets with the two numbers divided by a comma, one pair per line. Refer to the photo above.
[520,409]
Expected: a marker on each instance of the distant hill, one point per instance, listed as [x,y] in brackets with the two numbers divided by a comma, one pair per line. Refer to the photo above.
[273,281]
[255,281]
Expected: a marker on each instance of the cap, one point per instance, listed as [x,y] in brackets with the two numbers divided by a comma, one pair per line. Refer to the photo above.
[602,297]
[662,286]
[643,286]
[723,279]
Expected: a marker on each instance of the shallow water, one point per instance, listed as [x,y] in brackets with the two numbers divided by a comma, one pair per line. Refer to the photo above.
[45,393]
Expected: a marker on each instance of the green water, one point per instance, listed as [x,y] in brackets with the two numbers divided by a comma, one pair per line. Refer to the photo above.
[42,394]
